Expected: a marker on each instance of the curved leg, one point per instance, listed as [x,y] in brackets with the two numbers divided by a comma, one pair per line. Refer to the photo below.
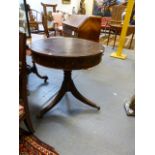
[34,70]
[57,98]
[71,87]
[77,94]
[67,85]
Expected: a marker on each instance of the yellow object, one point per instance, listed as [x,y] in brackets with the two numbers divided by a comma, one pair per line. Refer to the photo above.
[121,56]
[118,53]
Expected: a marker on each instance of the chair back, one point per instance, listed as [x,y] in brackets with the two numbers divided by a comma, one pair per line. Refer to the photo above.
[105,21]
[57,18]
[47,16]
[35,19]
[116,14]
[46,6]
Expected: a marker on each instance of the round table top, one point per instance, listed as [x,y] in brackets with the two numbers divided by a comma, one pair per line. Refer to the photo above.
[66,53]
[66,47]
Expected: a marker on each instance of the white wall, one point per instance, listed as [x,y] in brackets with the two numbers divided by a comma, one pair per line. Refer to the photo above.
[89,6]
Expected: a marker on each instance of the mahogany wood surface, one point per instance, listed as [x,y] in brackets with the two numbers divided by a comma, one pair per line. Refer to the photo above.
[83,26]
[67,54]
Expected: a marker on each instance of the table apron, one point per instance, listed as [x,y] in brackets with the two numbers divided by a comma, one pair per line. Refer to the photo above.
[68,63]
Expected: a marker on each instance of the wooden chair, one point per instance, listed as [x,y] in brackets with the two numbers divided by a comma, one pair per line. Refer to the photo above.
[105,24]
[58,18]
[116,14]
[35,21]
[24,114]
[116,30]
[116,24]
[47,18]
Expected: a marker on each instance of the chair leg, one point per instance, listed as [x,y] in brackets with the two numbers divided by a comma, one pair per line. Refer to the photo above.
[35,71]
[104,31]
[115,39]
[55,32]
[47,35]
[46,32]
[61,33]
[108,37]
[131,40]
[28,124]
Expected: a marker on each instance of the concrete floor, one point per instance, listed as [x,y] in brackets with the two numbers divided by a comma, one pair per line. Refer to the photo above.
[77,129]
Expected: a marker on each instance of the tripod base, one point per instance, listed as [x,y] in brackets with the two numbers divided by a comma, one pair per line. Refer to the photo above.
[67,85]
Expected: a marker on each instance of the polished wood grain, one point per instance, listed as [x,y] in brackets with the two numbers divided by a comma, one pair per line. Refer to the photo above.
[67,54]
[76,20]
[83,26]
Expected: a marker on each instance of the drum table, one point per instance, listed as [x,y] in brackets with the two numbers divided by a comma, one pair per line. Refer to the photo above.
[67,54]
